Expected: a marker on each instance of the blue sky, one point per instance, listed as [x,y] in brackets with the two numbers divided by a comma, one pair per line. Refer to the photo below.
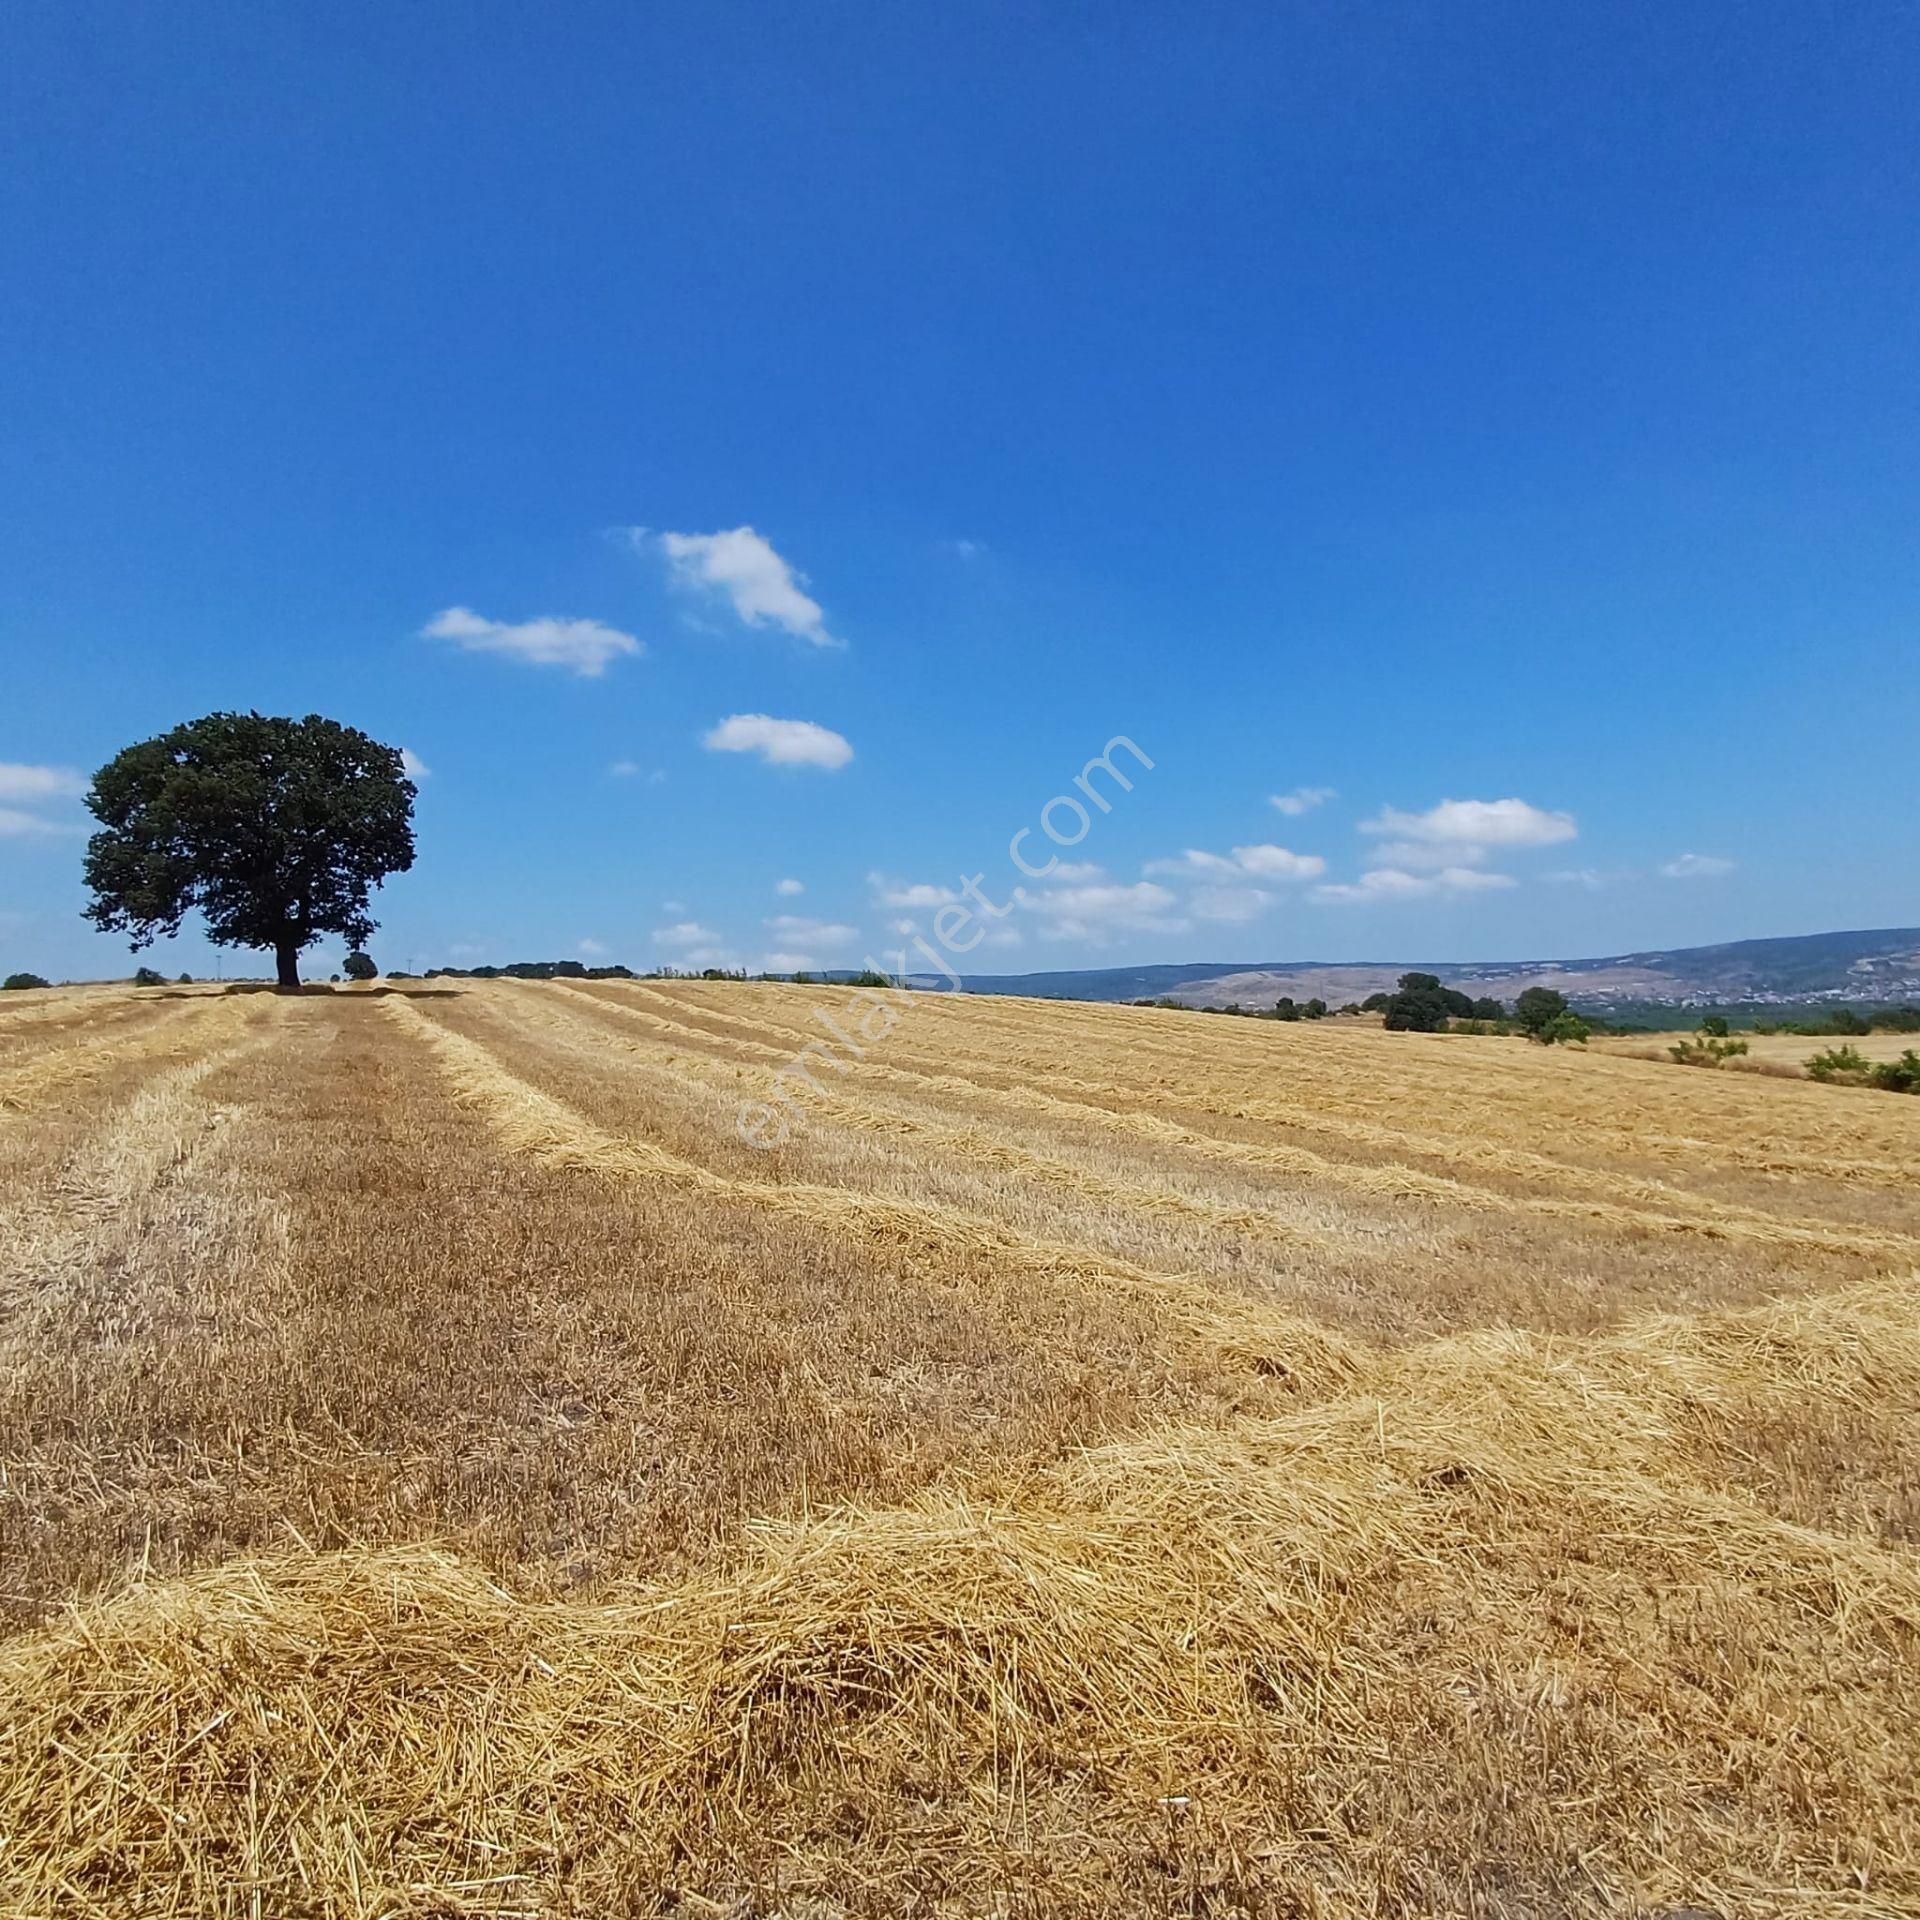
[1498,422]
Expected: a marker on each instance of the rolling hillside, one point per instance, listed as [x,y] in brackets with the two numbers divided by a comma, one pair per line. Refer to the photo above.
[1882,964]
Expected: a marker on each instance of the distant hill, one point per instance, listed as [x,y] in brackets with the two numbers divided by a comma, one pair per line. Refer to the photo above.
[1865,966]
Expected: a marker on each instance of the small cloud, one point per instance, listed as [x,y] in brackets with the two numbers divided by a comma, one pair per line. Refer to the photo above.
[21,782]
[909,893]
[1395,883]
[413,766]
[1098,914]
[967,549]
[1458,833]
[17,825]
[1075,872]
[1696,866]
[1302,800]
[781,743]
[583,646]
[1261,862]
[684,933]
[673,906]
[787,962]
[1590,878]
[741,567]
[592,948]
[787,889]
[1232,906]
[814,933]
[906,929]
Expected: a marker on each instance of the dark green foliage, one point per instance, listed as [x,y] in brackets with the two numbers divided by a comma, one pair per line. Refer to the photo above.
[148,977]
[185,980]
[1709,1047]
[275,830]
[1286,1008]
[360,966]
[1843,1020]
[1537,1009]
[868,977]
[1897,1076]
[1897,1020]
[20,982]
[1840,1063]
[1315,1009]
[1352,1006]
[1422,1005]
[1376,1003]
[1488,1008]
[1567,1029]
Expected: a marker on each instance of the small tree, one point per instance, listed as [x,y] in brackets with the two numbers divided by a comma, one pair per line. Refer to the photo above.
[1422,1005]
[1376,1003]
[1897,1076]
[276,830]
[148,977]
[1537,1009]
[359,966]
[20,982]
[1286,1008]
[1569,1030]
[1315,1009]
[1488,1008]
[1708,1048]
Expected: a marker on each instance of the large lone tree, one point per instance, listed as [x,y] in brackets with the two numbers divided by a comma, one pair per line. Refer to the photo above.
[276,830]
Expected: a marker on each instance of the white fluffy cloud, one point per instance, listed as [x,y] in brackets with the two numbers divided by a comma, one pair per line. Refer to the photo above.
[19,782]
[919,894]
[781,743]
[36,785]
[413,766]
[1262,862]
[18,825]
[684,933]
[787,962]
[741,567]
[1231,906]
[582,646]
[1395,883]
[787,889]
[1302,800]
[1097,914]
[797,929]
[1460,833]
[1696,866]
[592,948]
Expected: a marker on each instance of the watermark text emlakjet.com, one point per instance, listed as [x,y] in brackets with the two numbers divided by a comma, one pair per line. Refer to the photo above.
[870,1014]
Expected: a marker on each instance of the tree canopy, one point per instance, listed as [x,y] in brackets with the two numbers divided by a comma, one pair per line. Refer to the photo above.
[275,830]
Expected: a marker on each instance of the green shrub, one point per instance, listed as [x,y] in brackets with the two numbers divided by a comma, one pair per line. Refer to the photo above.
[359,966]
[1708,1048]
[19,982]
[1567,1029]
[1536,1010]
[1840,1063]
[1897,1020]
[147,977]
[1422,1005]
[1897,1076]
[1286,1008]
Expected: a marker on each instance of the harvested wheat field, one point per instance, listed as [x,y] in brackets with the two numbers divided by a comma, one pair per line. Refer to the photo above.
[1102,1461]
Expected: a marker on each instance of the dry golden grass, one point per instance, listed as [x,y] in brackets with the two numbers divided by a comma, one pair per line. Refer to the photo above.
[1107,1461]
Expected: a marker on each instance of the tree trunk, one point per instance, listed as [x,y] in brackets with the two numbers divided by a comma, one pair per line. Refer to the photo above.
[287,956]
